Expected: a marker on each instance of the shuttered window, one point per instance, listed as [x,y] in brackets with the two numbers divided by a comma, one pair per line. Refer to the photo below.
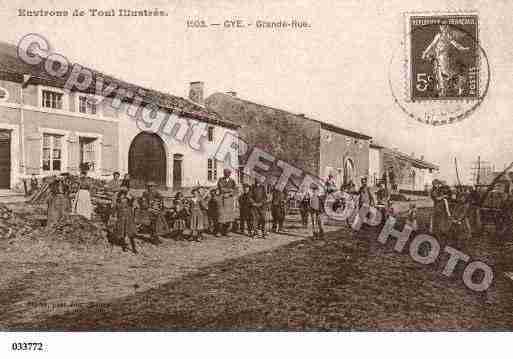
[212,169]
[52,99]
[52,152]
[87,105]
[88,152]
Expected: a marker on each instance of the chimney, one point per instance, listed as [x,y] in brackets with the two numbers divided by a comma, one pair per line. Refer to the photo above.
[231,93]
[412,155]
[422,157]
[196,92]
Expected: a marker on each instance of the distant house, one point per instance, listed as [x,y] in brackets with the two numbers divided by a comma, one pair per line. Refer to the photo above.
[406,171]
[316,147]
[46,130]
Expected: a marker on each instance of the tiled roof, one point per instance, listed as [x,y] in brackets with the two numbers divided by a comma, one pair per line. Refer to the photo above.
[324,125]
[13,68]
[415,161]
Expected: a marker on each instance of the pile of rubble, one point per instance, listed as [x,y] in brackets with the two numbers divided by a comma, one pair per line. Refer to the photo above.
[73,229]
[13,224]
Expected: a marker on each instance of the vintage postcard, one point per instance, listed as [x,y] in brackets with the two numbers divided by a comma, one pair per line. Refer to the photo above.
[256,166]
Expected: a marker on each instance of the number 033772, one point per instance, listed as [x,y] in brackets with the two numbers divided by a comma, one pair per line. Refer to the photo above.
[27,346]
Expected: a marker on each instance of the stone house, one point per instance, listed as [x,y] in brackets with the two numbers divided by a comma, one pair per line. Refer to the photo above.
[46,129]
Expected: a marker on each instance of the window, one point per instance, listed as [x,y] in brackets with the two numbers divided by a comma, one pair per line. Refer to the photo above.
[52,99]
[210,134]
[88,152]
[212,169]
[87,105]
[52,152]
[241,174]
[4,95]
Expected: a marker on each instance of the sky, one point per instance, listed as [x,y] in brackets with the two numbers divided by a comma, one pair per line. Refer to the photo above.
[335,71]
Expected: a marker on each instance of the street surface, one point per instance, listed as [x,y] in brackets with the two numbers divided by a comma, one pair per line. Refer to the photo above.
[287,282]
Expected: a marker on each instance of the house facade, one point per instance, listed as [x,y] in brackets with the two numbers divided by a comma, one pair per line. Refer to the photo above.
[47,130]
[408,172]
[315,147]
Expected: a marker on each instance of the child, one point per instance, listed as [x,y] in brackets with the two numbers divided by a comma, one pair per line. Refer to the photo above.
[197,209]
[124,213]
[213,212]
[411,219]
[180,216]
[316,207]
[246,215]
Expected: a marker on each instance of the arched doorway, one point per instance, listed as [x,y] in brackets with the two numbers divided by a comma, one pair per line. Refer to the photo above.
[147,160]
[349,171]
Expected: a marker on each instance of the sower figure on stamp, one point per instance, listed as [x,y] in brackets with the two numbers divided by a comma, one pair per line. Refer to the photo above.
[442,51]
[245,208]
[228,190]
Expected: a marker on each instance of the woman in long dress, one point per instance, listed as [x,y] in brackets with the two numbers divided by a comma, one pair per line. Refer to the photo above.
[228,190]
[58,202]
[82,204]
[125,224]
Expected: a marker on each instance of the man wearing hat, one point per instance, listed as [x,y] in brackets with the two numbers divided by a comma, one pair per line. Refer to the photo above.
[152,202]
[438,196]
[316,207]
[228,190]
[245,208]
[259,197]
[366,197]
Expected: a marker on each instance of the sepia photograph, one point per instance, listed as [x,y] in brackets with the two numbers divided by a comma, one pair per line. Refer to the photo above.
[304,171]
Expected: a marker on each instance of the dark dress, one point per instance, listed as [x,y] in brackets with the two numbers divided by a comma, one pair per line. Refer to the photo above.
[152,205]
[228,191]
[124,211]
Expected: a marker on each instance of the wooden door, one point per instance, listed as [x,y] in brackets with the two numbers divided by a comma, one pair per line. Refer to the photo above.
[5,159]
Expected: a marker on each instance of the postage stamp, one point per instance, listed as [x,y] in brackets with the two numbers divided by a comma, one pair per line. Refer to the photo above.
[440,73]
[444,57]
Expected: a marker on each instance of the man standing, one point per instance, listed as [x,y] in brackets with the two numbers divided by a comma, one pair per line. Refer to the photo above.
[113,186]
[316,207]
[330,184]
[245,208]
[382,194]
[259,205]
[228,190]
[278,209]
[439,211]
[366,197]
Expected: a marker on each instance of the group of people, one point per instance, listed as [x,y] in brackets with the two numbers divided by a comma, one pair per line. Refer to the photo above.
[207,210]
[258,208]
[68,194]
